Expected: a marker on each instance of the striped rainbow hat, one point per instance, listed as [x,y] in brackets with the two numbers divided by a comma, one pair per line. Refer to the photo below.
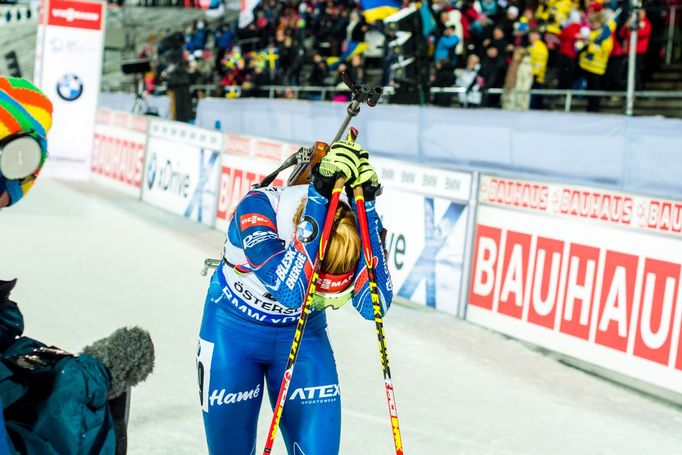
[23,107]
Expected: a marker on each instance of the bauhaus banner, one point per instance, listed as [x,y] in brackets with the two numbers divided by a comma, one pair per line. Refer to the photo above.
[591,273]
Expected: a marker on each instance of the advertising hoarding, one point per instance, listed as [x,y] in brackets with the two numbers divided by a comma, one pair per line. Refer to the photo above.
[118,151]
[181,171]
[425,212]
[68,70]
[591,273]
[237,175]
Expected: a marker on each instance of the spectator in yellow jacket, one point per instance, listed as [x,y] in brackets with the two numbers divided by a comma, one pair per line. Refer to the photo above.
[538,58]
[594,56]
[552,14]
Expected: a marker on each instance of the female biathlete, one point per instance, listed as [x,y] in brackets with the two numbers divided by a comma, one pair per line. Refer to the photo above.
[254,301]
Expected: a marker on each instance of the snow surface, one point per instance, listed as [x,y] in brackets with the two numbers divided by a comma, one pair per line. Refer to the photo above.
[90,260]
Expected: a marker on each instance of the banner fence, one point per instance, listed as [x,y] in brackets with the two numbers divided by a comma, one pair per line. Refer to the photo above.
[589,273]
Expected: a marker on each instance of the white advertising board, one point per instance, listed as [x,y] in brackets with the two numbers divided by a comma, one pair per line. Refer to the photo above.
[181,171]
[425,212]
[118,151]
[68,70]
[591,273]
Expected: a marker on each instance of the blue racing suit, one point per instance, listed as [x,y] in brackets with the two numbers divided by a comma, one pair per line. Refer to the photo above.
[249,320]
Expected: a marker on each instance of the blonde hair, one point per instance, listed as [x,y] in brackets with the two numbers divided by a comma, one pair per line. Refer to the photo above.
[343,252]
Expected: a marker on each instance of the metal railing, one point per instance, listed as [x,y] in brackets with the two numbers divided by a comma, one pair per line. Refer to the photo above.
[322,93]
[569,95]
[670,38]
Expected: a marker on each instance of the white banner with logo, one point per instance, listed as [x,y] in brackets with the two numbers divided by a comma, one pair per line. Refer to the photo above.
[182,167]
[68,70]
[425,212]
[591,273]
[118,150]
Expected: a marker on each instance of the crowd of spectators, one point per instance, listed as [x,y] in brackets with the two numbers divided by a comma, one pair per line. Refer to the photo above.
[519,45]
[476,45]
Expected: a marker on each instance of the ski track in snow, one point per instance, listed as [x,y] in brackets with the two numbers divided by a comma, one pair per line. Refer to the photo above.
[90,260]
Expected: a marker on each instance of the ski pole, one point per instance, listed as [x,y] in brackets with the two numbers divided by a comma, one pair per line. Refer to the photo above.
[359,197]
[303,318]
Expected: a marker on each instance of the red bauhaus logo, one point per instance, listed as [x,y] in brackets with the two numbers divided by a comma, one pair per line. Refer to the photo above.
[119,159]
[626,302]
[67,13]
[234,184]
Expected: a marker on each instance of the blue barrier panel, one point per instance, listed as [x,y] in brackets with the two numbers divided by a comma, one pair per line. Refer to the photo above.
[124,102]
[640,154]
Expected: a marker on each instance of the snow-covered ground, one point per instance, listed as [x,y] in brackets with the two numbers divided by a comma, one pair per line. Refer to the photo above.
[90,260]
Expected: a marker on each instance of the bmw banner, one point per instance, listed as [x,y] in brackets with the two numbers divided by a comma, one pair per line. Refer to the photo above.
[181,169]
[68,68]
[426,211]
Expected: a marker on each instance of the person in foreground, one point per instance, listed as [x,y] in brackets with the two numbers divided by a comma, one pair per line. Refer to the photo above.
[55,402]
[254,301]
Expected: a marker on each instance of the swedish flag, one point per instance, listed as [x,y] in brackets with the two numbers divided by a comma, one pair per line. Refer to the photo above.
[233,91]
[271,57]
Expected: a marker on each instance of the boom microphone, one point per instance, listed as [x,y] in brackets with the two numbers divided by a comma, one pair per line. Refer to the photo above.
[128,354]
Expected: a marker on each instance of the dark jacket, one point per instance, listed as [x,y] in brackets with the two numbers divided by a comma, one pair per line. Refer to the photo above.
[54,402]
[493,71]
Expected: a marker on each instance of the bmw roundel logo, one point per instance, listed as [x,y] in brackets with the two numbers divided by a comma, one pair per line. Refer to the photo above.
[151,171]
[307,229]
[69,87]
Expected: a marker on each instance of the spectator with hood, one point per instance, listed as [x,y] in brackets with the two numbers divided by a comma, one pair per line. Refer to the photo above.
[445,47]
[493,70]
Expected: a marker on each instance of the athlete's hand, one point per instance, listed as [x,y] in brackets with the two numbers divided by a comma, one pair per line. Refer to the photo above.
[367,178]
[342,160]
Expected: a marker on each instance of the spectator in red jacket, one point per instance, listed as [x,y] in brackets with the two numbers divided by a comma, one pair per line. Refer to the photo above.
[567,59]
[643,34]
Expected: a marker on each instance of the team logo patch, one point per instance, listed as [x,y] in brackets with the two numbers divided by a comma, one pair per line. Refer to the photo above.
[69,87]
[258,237]
[307,230]
[254,219]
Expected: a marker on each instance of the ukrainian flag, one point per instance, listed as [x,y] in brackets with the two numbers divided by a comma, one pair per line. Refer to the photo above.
[354,48]
[376,10]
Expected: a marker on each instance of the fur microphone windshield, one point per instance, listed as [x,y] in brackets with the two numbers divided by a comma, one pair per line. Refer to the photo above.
[128,354]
